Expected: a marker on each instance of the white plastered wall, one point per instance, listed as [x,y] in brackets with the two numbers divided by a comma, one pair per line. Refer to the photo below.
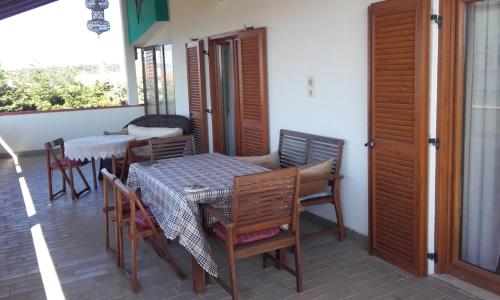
[29,132]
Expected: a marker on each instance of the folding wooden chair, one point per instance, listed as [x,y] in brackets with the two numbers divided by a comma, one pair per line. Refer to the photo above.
[171,147]
[262,203]
[141,224]
[57,161]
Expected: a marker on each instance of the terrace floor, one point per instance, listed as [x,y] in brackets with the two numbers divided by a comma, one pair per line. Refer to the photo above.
[58,249]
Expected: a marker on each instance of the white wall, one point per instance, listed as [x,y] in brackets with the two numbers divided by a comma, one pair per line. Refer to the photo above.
[28,132]
[323,38]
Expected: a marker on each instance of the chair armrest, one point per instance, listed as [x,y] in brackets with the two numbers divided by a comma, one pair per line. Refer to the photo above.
[135,144]
[218,215]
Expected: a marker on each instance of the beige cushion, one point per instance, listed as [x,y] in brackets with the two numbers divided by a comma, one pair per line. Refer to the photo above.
[320,170]
[145,133]
[123,131]
[270,161]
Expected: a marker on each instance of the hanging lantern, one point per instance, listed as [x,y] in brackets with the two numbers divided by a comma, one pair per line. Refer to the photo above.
[97,24]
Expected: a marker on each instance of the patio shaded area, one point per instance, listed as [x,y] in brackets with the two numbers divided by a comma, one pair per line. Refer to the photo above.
[57,251]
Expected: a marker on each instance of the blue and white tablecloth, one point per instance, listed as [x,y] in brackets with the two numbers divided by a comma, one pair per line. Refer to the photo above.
[162,186]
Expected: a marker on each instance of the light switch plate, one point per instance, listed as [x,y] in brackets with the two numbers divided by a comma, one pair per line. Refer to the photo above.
[311,86]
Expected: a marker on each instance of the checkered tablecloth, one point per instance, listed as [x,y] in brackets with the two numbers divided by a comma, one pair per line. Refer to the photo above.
[162,186]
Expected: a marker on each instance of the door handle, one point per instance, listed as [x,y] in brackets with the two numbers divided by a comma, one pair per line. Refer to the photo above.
[370,144]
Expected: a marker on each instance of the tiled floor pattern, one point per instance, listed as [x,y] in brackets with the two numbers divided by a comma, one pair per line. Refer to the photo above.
[81,269]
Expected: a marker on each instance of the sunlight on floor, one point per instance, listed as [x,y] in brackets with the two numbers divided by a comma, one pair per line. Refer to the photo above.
[28,200]
[51,283]
[12,154]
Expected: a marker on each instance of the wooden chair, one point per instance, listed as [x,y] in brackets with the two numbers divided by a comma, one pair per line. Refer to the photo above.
[56,161]
[121,213]
[261,204]
[130,158]
[299,149]
[141,224]
[171,147]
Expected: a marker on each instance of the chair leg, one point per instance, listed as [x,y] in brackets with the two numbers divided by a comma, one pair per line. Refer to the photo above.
[80,173]
[281,256]
[71,183]
[94,173]
[51,192]
[133,275]
[106,221]
[119,245]
[63,184]
[233,278]
[163,252]
[340,219]
[232,266]
[298,264]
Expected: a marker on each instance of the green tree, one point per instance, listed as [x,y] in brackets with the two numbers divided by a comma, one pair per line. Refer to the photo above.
[55,88]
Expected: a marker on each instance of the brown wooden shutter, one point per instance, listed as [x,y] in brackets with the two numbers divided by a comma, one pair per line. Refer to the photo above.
[196,93]
[399,128]
[253,102]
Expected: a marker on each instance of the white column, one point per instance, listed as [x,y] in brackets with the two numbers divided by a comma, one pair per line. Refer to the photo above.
[129,55]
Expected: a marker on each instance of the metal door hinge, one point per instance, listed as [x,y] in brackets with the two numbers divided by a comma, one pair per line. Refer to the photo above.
[433,256]
[370,144]
[209,111]
[438,20]
[206,52]
[435,142]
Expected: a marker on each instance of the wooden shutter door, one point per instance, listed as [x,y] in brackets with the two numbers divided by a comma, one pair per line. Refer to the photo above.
[253,138]
[399,131]
[196,93]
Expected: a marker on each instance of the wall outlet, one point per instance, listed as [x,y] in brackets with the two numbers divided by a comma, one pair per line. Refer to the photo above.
[311,86]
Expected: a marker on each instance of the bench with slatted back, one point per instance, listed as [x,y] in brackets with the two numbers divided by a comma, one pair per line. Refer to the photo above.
[299,149]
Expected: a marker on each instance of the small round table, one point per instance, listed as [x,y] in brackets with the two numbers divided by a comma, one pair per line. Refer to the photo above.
[98,147]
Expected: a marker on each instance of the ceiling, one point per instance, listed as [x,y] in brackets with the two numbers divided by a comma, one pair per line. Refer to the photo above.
[9,8]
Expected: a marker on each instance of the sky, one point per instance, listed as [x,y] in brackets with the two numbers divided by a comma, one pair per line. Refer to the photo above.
[56,34]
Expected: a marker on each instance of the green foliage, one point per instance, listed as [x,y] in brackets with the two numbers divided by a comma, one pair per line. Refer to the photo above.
[56,88]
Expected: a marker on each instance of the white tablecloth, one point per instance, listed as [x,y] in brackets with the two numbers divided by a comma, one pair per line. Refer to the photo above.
[103,146]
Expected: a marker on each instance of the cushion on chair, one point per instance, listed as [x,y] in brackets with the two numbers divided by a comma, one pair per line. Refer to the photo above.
[66,163]
[270,161]
[141,219]
[144,133]
[123,131]
[245,238]
[308,185]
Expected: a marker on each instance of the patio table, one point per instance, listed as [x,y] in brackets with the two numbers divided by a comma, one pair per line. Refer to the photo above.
[97,147]
[162,185]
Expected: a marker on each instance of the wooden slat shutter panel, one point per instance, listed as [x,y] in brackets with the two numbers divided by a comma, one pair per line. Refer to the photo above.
[399,127]
[253,102]
[196,93]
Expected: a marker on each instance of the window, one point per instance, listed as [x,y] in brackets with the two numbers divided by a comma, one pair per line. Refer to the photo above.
[157,82]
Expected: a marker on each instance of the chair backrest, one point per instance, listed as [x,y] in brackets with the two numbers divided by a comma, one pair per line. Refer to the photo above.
[55,149]
[265,200]
[135,205]
[171,147]
[298,149]
[170,121]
